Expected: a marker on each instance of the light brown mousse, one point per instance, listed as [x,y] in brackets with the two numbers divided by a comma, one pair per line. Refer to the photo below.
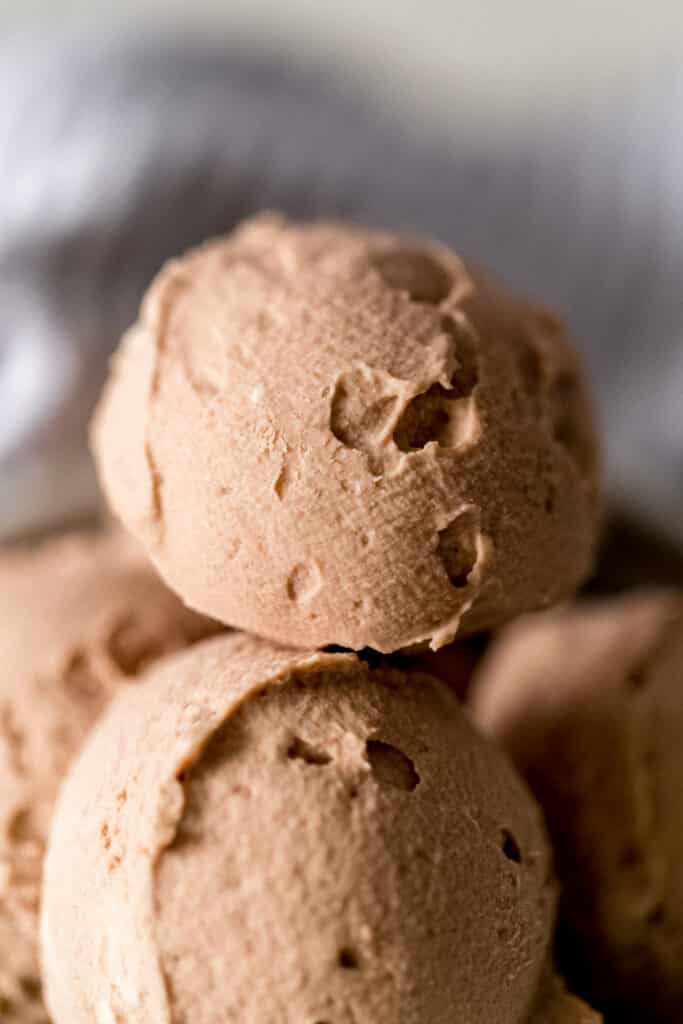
[79,618]
[258,834]
[327,435]
[588,701]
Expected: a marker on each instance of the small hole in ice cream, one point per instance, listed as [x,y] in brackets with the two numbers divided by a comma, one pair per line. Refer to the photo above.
[441,414]
[466,376]
[425,418]
[391,766]
[457,547]
[656,916]
[303,582]
[299,750]
[348,959]
[510,847]
[416,272]
[21,827]
[637,677]
[31,988]
[359,415]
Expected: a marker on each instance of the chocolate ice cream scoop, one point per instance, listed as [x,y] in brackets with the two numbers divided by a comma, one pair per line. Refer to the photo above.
[326,435]
[589,703]
[258,834]
[79,618]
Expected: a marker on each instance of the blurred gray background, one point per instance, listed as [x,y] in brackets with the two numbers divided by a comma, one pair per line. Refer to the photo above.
[542,139]
[493,59]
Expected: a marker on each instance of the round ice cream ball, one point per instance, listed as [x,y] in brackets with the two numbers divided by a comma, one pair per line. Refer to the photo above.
[558,1006]
[327,435]
[274,835]
[79,617]
[589,703]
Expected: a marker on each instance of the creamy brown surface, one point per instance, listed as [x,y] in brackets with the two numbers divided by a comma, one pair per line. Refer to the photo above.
[589,703]
[259,835]
[79,618]
[331,436]
[558,1006]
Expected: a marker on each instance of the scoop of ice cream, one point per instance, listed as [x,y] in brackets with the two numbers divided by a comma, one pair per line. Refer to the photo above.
[326,435]
[589,703]
[274,835]
[79,618]
[558,1006]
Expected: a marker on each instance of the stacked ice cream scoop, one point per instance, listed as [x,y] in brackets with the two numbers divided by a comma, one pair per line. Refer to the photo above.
[360,452]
